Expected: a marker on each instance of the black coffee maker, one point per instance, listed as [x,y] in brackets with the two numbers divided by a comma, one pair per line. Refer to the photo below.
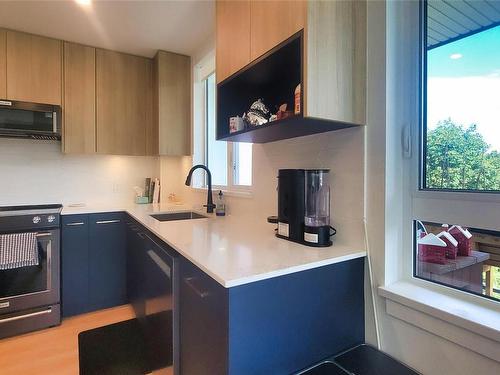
[304,206]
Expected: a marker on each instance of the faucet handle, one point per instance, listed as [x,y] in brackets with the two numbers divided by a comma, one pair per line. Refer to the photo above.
[210,208]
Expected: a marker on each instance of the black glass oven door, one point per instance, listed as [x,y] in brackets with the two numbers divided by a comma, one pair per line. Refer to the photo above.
[32,286]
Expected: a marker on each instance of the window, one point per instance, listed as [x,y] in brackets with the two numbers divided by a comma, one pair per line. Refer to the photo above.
[456,209]
[229,163]
[462,132]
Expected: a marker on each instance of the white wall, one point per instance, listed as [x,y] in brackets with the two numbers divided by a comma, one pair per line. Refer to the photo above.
[340,151]
[386,205]
[36,172]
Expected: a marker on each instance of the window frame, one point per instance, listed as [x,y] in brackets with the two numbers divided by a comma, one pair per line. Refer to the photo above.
[436,205]
[201,132]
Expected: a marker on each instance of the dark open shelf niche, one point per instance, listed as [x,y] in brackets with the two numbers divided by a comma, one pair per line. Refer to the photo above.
[291,127]
[272,77]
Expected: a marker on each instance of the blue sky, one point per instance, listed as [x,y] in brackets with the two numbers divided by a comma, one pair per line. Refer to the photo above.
[480,56]
[464,84]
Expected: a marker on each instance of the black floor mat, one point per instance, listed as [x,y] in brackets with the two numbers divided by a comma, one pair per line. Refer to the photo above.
[116,349]
[366,360]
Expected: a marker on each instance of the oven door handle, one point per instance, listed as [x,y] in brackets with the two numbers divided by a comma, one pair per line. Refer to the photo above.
[47,234]
[25,316]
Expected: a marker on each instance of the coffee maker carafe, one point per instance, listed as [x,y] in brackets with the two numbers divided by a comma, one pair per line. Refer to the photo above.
[304,206]
[317,207]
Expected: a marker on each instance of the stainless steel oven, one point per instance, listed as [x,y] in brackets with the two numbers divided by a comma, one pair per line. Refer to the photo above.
[30,295]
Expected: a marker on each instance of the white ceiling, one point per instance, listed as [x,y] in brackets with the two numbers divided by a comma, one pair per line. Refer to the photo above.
[137,27]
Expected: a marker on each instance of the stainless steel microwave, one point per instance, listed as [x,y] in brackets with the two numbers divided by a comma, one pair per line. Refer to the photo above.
[29,120]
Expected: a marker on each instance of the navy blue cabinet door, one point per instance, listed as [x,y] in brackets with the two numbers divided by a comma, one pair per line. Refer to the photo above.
[203,323]
[74,264]
[107,261]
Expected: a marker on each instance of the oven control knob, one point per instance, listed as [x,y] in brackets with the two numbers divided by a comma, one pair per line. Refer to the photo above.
[36,219]
[51,218]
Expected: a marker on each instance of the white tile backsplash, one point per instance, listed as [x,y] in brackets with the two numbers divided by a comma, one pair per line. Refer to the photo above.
[35,172]
[340,151]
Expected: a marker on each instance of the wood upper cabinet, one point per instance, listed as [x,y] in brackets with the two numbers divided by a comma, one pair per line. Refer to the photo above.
[335,61]
[3,64]
[171,133]
[232,37]
[79,99]
[272,22]
[124,102]
[34,68]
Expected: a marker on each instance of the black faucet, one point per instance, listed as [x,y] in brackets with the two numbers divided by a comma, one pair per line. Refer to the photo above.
[210,203]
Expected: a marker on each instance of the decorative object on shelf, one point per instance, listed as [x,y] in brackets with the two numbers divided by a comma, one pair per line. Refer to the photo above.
[282,112]
[451,244]
[236,124]
[431,249]
[296,108]
[258,114]
[464,238]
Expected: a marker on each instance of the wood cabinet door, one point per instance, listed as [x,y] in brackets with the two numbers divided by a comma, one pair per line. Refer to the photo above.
[34,68]
[232,37]
[124,102]
[79,99]
[173,96]
[272,22]
[3,64]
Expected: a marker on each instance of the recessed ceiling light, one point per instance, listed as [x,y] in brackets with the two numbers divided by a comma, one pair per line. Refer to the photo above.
[455,56]
[84,2]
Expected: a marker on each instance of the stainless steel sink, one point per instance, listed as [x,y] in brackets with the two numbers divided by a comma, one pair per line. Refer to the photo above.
[171,216]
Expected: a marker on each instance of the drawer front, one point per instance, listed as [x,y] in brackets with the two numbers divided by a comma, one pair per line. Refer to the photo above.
[29,320]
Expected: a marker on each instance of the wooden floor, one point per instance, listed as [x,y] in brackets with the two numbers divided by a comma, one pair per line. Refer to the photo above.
[55,350]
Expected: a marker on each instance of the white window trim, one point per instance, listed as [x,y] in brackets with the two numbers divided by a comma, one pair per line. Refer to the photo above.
[469,324]
[466,319]
[203,70]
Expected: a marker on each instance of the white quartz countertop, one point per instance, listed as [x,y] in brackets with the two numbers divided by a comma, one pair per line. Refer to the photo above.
[234,250]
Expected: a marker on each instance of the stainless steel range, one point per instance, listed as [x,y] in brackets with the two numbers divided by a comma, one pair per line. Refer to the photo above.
[29,294]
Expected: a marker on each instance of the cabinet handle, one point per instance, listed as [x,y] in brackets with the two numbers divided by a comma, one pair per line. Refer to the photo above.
[107,221]
[14,318]
[190,283]
[75,224]
[141,235]
[45,234]
[160,263]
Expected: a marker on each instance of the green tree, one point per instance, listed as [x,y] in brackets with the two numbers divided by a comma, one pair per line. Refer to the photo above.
[458,158]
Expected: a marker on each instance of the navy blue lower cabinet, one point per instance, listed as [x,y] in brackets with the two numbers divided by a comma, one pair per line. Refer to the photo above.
[203,323]
[275,326]
[107,261]
[74,264]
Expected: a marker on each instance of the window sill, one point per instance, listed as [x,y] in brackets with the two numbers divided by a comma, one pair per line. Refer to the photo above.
[475,326]
[229,193]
